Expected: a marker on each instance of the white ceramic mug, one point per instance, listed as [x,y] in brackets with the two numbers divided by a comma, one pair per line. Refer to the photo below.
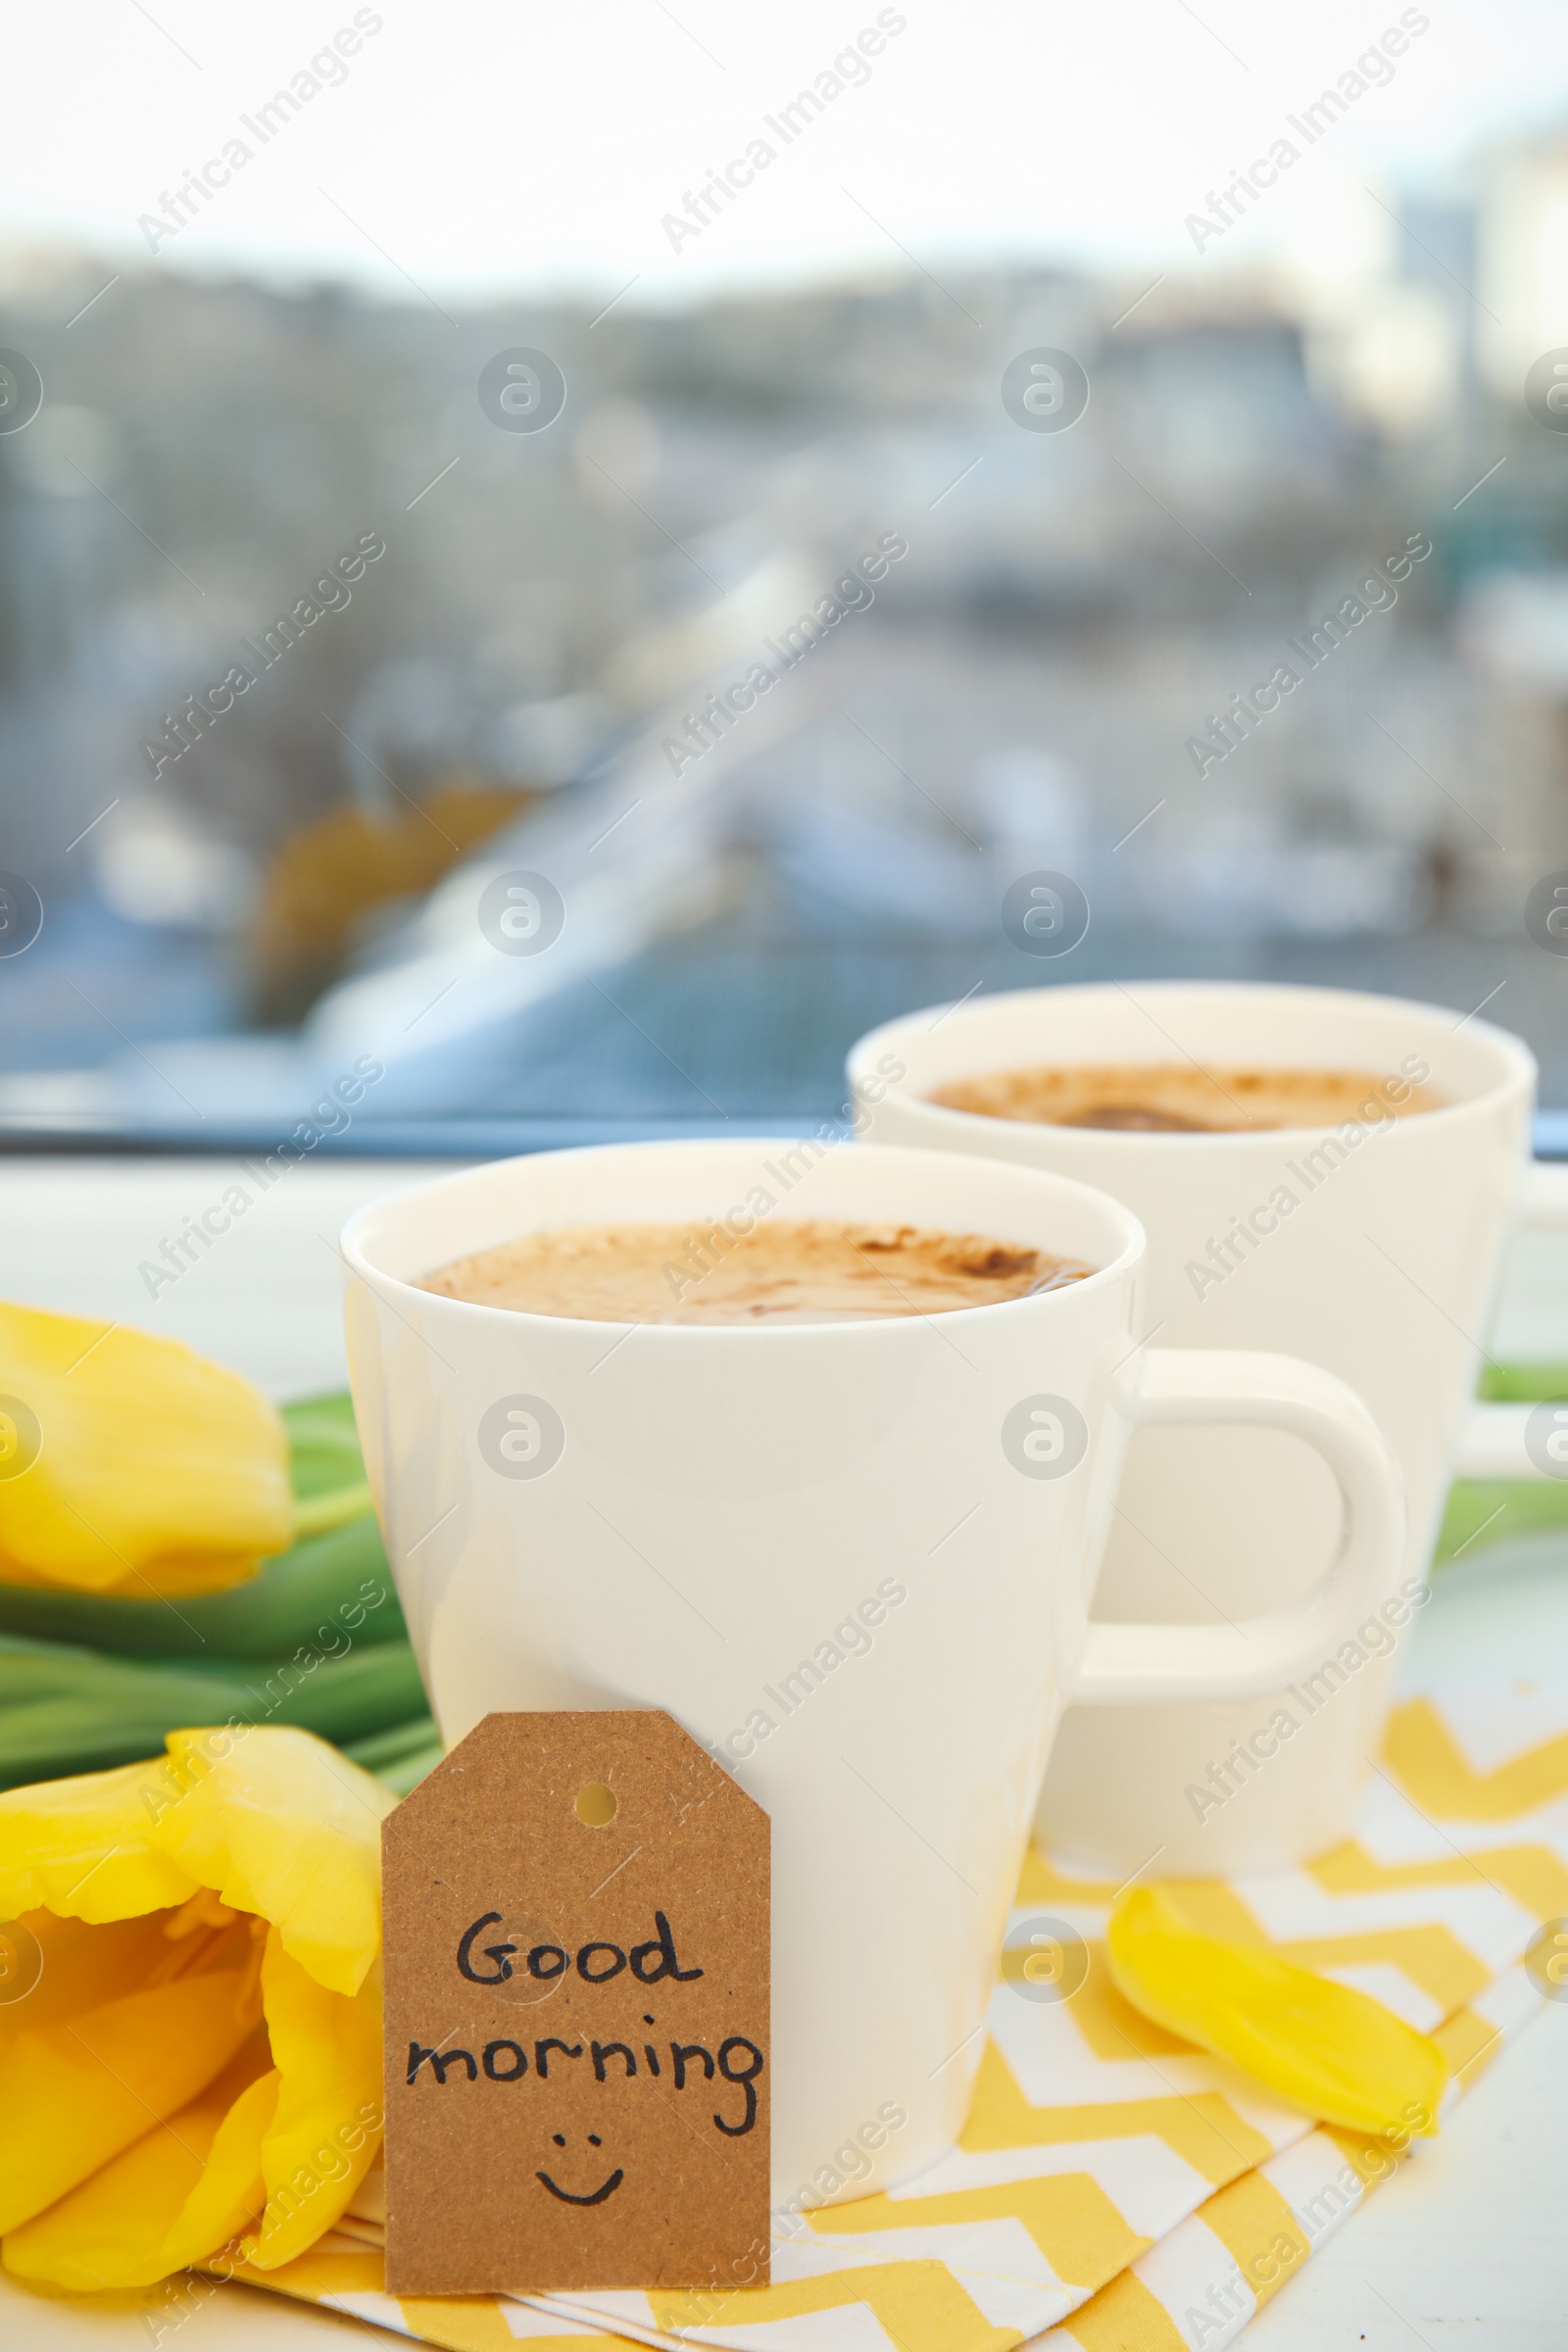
[851,1559]
[1374,1250]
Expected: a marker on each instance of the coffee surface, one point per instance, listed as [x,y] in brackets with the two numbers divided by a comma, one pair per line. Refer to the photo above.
[1180,1098]
[786,1271]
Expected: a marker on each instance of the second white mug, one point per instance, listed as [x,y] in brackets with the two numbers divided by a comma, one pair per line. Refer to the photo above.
[1373,1249]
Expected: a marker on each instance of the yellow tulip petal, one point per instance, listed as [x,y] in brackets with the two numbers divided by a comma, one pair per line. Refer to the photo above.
[75,2093]
[159,1878]
[108,1579]
[284,1826]
[327,2127]
[175,2197]
[186,1577]
[1334,2051]
[230,2192]
[73,1965]
[133,1452]
[83,1848]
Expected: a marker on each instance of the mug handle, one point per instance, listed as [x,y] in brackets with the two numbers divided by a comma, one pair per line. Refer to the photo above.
[1493,1443]
[1196,1386]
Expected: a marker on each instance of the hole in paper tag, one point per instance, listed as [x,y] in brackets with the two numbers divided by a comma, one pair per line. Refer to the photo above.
[596,1805]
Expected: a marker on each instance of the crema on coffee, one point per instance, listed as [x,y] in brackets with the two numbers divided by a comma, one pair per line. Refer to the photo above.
[785,1270]
[1180,1098]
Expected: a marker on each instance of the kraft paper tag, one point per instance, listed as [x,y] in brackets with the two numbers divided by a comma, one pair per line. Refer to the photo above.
[576,1941]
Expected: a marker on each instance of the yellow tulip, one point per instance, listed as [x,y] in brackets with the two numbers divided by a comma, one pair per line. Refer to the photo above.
[191,2061]
[130,1465]
[1324,2046]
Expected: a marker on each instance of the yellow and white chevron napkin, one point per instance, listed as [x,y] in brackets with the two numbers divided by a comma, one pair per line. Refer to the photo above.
[1116,2187]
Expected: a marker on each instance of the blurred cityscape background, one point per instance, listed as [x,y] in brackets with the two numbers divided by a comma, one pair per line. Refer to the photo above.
[241,899]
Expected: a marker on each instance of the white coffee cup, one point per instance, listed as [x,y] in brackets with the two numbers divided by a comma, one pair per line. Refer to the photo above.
[1381,1266]
[588,1514]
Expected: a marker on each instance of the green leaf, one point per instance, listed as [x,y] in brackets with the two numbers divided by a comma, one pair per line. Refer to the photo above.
[338,1580]
[323,1445]
[66,1710]
[401,1757]
[1523,1384]
[1482,1510]
[316,1638]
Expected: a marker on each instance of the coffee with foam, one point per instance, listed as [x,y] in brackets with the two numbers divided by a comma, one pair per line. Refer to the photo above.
[786,1271]
[1183,1097]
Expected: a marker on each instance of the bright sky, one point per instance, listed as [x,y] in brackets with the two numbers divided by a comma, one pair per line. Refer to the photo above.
[480,146]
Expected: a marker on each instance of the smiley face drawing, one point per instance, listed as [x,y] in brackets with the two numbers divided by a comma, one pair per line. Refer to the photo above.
[594,2197]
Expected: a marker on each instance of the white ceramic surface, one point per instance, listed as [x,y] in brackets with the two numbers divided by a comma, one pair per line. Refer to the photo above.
[811,1544]
[1376,1254]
